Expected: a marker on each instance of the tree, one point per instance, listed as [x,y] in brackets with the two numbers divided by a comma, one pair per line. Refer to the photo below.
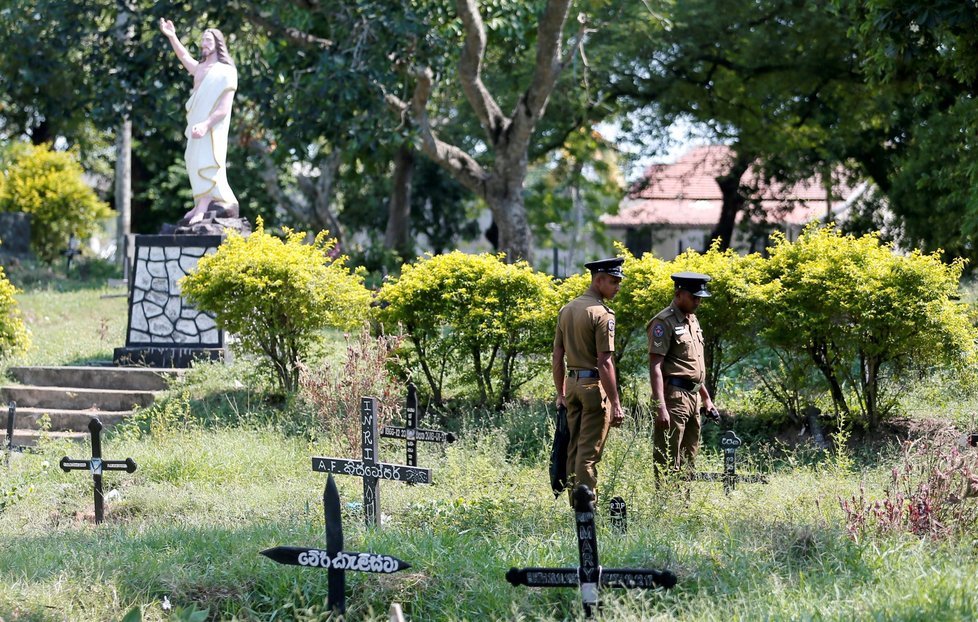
[927,50]
[778,80]
[508,137]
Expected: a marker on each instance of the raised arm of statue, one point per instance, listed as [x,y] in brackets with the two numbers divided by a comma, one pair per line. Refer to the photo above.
[188,61]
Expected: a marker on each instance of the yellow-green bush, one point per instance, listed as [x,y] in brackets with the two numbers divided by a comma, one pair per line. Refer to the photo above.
[48,185]
[476,316]
[13,333]
[277,295]
[865,315]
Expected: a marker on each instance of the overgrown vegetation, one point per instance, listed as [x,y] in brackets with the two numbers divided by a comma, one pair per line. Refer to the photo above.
[223,475]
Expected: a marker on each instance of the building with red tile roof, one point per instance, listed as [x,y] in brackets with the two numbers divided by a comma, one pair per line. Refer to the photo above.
[676,206]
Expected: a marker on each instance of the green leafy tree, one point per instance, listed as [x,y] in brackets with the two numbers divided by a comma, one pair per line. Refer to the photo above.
[490,320]
[927,50]
[866,316]
[49,186]
[278,295]
[777,80]
[14,337]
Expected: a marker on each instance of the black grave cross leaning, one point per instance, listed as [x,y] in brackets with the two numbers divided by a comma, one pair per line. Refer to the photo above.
[369,467]
[411,432]
[334,559]
[589,575]
[729,443]
[96,465]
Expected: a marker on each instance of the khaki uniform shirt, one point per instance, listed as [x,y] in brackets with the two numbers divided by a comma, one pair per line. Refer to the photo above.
[680,340]
[585,327]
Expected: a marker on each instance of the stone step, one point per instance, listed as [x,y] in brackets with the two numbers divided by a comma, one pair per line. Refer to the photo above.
[29,438]
[64,420]
[96,377]
[74,398]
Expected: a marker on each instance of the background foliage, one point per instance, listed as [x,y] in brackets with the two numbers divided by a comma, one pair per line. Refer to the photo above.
[49,185]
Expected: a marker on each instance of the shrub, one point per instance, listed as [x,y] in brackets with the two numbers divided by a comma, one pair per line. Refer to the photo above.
[48,185]
[726,316]
[866,316]
[335,391]
[475,314]
[276,295]
[13,333]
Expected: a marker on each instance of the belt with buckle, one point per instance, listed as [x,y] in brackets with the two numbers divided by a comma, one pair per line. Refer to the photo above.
[582,373]
[684,383]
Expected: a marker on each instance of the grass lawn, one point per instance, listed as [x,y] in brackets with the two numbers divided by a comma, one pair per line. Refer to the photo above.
[186,528]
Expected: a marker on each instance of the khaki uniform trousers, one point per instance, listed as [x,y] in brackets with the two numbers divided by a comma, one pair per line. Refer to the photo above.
[588,421]
[676,444]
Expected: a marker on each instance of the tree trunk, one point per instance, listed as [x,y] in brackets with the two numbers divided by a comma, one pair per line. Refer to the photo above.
[123,191]
[819,354]
[507,136]
[398,234]
[733,199]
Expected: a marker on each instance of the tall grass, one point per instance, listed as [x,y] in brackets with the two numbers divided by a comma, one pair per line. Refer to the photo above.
[224,474]
[189,523]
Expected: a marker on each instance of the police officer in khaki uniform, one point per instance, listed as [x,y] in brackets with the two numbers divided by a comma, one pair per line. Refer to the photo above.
[677,371]
[586,336]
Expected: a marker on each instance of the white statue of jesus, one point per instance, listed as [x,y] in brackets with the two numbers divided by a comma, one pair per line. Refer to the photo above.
[208,118]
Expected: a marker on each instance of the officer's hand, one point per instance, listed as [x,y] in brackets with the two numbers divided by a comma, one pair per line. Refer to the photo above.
[713,414]
[617,416]
[663,417]
[561,401]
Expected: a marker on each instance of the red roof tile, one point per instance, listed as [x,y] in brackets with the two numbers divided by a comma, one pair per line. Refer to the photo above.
[687,194]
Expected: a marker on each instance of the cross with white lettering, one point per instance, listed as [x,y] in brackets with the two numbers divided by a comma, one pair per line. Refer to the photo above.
[368,467]
[589,575]
[729,443]
[410,432]
[96,465]
[334,559]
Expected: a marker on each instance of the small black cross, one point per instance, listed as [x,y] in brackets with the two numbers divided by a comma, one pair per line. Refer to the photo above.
[589,575]
[729,443]
[11,415]
[96,465]
[334,559]
[619,514]
[368,467]
[410,432]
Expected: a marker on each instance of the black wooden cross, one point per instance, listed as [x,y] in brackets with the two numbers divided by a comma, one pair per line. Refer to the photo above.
[589,575]
[368,467]
[411,432]
[619,514]
[96,465]
[334,559]
[729,443]
[11,415]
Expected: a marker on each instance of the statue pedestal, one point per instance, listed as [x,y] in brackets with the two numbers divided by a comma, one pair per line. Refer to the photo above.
[163,329]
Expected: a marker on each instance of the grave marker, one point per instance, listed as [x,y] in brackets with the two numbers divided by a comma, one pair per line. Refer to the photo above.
[11,414]
[589,575]
[411,432]
[334,559]
[368,467]
[729,443]
[96,465]
[619,515]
